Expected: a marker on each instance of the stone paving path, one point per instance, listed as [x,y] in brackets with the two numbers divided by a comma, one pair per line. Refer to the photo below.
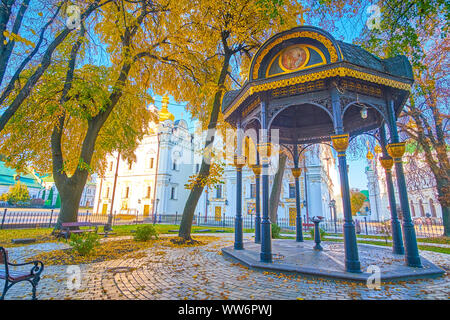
[203,273]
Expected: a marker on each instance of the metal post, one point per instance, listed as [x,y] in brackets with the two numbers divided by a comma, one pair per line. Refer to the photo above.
[334,211]
[317,239]
[257,172]
[264,152]
[365,223]
[412,257]
[296,172]
[3,219]
[387,162]
[238,235]
[51,216]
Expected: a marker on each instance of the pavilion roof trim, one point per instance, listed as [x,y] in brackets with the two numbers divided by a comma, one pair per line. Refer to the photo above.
[332,59]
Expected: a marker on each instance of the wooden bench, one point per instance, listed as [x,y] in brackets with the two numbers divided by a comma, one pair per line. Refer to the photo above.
[12,277]
[68,228]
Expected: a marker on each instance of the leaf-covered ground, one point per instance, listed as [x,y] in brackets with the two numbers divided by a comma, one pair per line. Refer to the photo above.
[111,250]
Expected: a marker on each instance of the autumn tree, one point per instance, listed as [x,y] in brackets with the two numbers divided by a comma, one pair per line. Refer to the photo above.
[29,35]
[419,30]
[227,34]
[357,199]
[18,193]
[86,109]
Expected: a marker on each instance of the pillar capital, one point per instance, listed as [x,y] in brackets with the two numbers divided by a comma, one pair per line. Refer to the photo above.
[396,150]
[256,169]
[340,143]
[265,151]
[387,163]
[239,162]
[296,172]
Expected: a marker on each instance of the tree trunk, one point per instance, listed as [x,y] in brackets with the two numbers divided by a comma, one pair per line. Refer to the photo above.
[196,191]
[276,188]
[443,200]
[70,193]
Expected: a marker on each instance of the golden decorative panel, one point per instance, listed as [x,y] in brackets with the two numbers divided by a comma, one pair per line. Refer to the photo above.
[239,161]
[256,169]
[296,172]
[396,150]
[301,34]
[335,72]
[387,163]
[265,149]
[340,142]
[250,107]
[295,58]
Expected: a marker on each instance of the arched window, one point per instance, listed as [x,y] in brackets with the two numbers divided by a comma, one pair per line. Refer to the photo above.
[432,208]
[422,210]
[413,210]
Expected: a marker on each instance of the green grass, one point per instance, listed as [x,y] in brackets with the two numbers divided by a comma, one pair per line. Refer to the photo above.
[379,243]
[44,234]
[384,244]
[439,240]
[40,234]
[166,229]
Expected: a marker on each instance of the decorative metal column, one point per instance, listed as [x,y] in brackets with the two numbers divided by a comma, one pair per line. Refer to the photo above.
[264,149]
[387,163]
[296,172]
[266,234]
[238,232]
[352,264]
[396,150]
[257,171]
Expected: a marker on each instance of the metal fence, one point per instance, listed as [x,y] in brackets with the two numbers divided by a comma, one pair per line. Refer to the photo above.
[15,218]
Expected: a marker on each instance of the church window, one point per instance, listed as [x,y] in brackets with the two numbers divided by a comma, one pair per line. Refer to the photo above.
[127,192]
[173,193]
[413,210]
[174,165]
[253,190]
[111,166]
[291,190]
[432,208]
[149,190]
[422,210]
[219,191]
[107,192]
[151,163]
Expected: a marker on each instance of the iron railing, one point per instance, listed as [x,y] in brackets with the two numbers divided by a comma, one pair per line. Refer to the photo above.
[16,218]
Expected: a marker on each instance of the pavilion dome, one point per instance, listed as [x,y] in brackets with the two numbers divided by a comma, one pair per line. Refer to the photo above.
[307,47]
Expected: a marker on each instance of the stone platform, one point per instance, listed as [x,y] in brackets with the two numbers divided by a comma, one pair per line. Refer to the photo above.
[300,257]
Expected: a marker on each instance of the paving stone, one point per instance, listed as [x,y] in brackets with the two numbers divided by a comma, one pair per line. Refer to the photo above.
[203,273]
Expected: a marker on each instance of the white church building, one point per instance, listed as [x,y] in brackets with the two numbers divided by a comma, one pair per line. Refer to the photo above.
[170,153]
[422,196]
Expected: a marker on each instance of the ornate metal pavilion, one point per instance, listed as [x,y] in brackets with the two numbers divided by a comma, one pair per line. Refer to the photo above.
[313,88]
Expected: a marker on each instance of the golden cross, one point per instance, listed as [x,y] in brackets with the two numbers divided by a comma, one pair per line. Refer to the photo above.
[301,11]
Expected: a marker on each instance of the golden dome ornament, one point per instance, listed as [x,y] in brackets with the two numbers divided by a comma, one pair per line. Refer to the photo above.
[164,113]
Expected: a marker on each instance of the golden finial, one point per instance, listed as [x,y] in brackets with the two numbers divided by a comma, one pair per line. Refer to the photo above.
[369,155]
[377,149]
[164,114]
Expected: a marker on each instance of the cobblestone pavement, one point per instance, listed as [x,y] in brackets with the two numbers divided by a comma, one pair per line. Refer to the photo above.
[203,273]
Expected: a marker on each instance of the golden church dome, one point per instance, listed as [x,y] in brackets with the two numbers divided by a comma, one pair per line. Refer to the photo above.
[164,113]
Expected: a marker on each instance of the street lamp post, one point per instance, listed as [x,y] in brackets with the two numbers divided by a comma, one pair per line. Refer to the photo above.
[333,212]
